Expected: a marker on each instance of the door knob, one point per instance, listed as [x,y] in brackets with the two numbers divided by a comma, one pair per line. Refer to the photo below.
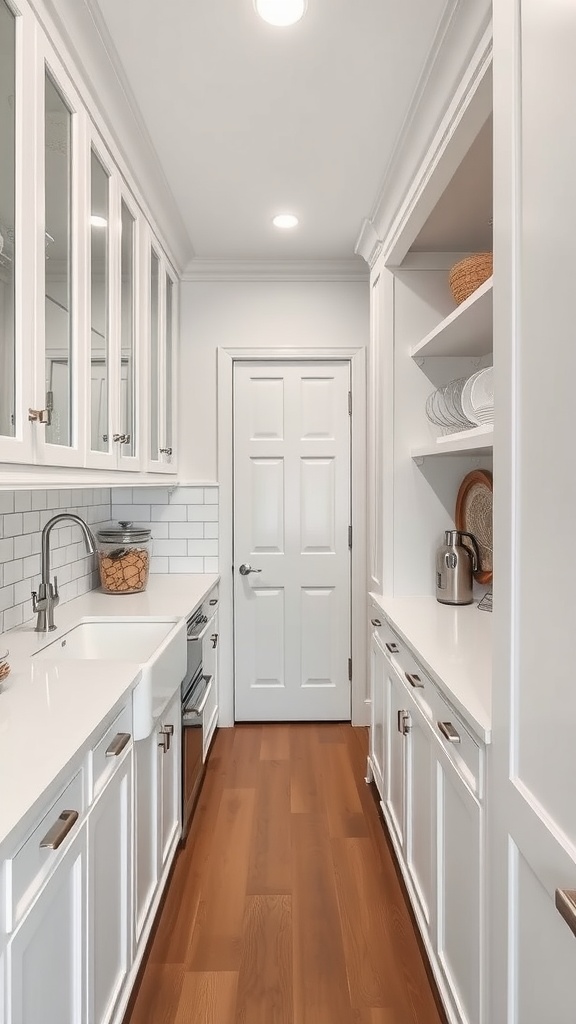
[245,570]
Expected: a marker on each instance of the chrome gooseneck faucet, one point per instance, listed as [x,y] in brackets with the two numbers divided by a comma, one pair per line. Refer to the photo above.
[47,597]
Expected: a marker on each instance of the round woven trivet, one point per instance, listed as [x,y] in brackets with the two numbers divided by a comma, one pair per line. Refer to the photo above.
[474,515]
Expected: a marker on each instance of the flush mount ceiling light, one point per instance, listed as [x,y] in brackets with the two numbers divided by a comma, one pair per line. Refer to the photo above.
[281,12]
[98,222]
[285,220]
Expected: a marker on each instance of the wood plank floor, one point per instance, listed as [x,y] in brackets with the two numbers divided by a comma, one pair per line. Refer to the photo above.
[285,907]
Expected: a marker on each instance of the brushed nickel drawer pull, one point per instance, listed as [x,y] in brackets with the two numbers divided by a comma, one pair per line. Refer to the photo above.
[168,729]
[121,740]
[213,601]
[376,622]
[414,680]
[566,903]
[393,648]
[56,835]
[449,732]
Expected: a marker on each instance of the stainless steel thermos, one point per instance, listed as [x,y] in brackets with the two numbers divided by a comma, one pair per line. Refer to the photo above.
[455,563]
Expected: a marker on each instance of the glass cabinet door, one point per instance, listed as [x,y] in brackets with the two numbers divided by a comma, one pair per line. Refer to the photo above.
[128,391]
[100,440]
[162,371]
[8,241]
[58,349]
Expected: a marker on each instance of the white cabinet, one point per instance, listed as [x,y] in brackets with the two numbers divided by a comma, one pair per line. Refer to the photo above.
[146,765]
[432,773]
[47,953]
[210,648]
[161,314]
[459,889]
[377,676]
[87,338]
[110,890]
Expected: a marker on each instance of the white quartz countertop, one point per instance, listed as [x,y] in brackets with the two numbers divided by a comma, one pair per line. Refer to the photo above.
[49,709]
[454,646]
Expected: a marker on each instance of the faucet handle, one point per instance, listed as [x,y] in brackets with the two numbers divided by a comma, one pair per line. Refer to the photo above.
[34,601]
[55,592]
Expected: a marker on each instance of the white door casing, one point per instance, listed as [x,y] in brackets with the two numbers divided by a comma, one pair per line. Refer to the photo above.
[291,521]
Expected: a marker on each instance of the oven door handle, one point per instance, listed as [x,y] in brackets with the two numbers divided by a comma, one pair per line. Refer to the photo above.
[195,710]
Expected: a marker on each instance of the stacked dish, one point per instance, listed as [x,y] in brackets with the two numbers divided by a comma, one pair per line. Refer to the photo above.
[463,403]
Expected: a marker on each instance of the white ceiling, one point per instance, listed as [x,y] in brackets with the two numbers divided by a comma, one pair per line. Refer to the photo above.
[250,120]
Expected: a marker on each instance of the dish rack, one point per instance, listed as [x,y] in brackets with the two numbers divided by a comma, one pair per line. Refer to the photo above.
[463,403]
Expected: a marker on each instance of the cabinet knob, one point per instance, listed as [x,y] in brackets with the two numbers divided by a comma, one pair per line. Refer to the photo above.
[121,740]
[165,451]
[393,648]
[414,680]
[56,835]
[449,732]
[376,622]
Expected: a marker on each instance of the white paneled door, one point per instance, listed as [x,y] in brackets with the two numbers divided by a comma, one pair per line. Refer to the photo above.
[291,529]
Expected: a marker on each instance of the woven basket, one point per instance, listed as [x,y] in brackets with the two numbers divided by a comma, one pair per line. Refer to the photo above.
[467,275]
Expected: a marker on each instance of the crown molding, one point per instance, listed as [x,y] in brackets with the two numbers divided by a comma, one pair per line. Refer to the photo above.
[218,269]
[77,30]
[462,30]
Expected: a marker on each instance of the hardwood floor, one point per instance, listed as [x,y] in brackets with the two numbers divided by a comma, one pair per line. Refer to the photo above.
[285,907]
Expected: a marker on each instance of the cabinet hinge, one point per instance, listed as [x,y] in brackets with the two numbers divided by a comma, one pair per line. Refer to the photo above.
[349,536]
[350,670]
[349,403]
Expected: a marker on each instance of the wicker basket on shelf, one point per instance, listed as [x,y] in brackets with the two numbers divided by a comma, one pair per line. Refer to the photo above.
[467,275]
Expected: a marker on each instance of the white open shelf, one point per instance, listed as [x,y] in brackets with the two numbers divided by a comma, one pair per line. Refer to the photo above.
[475,440]
[465,332]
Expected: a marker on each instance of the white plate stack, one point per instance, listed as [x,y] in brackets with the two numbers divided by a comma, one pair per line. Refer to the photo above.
[478,397]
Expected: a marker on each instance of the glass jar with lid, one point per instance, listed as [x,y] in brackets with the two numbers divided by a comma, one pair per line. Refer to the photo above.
[124,557]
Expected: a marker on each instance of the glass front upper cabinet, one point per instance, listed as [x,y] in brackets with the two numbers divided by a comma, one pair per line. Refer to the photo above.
[162,369]
[128,388]
[100,440]
[8,239]
[58,348]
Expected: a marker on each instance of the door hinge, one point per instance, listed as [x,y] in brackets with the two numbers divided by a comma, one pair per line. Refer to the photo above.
[350,670]
[349,403]
[349,536]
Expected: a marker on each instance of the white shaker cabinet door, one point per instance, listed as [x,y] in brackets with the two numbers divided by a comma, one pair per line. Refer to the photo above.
[460,863]
[396,708]
[170,768]
[47,954]
[110,893]
[378,663]
[145,827]
[420,816]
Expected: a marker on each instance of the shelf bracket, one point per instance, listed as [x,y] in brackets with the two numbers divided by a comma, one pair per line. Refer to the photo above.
[418,459]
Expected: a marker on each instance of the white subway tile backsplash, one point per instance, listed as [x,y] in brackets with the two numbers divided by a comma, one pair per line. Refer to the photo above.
[170,547]
[13,524]
[206,548]
[23,514]
[6,502]
[203,513]
[168,513]
[187,496]
[183,522]
[193,531]
[185,565]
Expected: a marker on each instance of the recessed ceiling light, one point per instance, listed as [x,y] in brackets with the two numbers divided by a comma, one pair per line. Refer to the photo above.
[281,12]
[285,220]
[98,222]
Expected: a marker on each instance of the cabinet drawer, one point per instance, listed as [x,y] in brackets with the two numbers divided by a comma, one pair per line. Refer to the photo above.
[420,686]
[40,851]
[108,750]
[463,749]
